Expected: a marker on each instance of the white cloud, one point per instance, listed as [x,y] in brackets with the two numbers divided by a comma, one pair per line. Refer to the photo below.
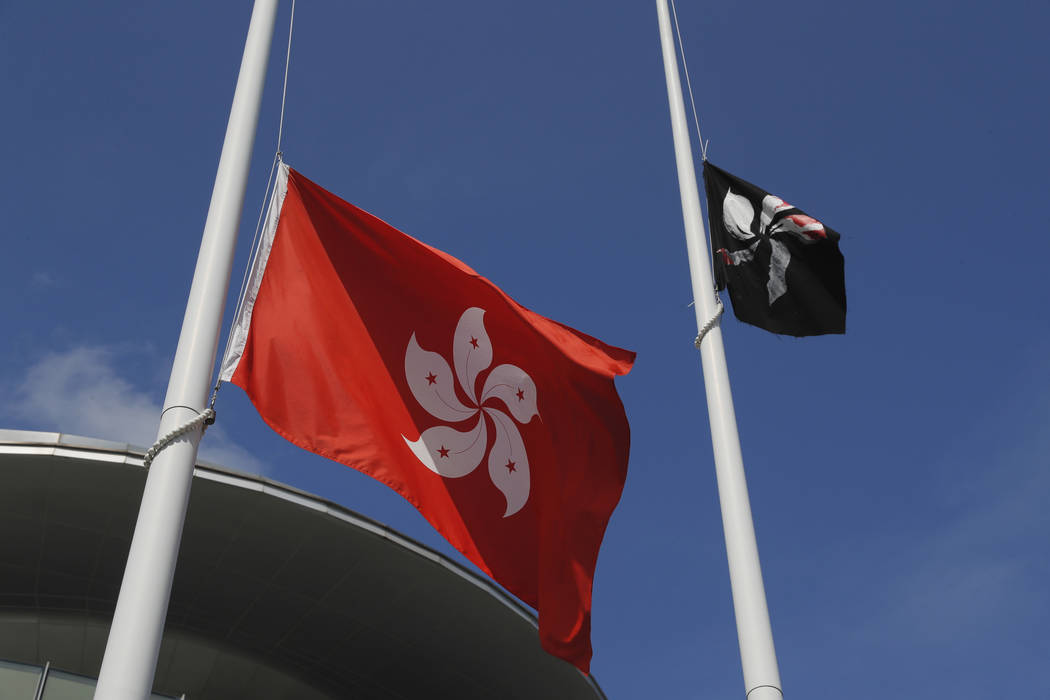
[81,392]
[42,279]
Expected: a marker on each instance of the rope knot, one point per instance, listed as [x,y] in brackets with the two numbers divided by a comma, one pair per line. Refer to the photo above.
[711,323]
[205,418]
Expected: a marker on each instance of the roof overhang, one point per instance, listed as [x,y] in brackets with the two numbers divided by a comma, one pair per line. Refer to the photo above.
[273,577]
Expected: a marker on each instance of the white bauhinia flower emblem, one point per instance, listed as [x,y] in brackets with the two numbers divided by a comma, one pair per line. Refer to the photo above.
[777,219]
[453,453]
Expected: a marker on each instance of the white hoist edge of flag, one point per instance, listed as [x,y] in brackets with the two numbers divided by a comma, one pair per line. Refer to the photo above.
[243,318]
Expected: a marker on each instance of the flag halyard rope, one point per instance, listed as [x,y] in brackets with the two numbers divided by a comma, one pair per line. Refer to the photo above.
[253,250]
[689,84]
[284,89]
[711,322]
[703,157]
[205,418]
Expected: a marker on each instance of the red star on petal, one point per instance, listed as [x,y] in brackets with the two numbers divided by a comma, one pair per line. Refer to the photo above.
[474,342]
[431,378]
[521,394]
[510,466]
[443,451]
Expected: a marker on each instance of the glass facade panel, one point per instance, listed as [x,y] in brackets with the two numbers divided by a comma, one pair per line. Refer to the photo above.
[18,681]
[67,686]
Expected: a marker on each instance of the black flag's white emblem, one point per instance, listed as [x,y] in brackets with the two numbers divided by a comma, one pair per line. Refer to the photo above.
[783,268]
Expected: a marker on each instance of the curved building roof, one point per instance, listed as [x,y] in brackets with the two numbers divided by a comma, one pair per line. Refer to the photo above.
[277,594]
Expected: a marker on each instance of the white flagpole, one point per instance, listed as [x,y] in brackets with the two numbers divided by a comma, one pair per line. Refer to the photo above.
[130,660]
[757,655]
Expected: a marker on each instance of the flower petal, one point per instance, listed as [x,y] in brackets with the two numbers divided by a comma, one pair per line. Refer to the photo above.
[779,257]
[771,206]
[737,213]
[471,349]
[739,257]
[449,452]
[508,463]
[430,379]
[804,228]
[514,388]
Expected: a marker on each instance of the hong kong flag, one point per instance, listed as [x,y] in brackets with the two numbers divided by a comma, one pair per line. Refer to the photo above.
[362,344]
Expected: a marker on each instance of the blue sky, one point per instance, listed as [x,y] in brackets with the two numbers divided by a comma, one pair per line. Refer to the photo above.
[898,474]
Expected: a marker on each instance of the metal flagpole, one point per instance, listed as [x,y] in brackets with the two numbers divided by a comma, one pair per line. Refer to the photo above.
[130,659]
[757,655]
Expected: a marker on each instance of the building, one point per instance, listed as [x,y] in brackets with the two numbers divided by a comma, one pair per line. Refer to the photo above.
[277,594]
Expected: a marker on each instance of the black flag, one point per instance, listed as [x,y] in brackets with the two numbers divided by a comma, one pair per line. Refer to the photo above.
[783,268]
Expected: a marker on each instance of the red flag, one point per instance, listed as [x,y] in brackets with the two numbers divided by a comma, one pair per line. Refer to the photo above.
[502,427]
